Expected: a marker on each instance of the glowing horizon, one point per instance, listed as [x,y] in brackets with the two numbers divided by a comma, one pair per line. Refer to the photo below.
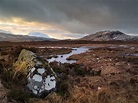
[19,26]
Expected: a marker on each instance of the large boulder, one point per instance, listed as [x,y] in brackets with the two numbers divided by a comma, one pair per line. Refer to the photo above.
[41,77]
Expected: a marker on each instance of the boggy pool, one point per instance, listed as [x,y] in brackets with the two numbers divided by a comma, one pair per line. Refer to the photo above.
[63,58]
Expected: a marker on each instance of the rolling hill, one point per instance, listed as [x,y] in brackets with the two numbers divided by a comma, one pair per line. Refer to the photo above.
[17,38]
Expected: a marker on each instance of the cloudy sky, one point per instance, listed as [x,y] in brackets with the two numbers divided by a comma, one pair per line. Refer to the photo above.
[68,18]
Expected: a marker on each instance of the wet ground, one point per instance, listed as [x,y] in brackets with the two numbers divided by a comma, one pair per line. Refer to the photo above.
[63,57]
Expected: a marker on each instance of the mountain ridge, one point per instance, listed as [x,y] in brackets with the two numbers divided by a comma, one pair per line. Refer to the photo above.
[6,32]
[109,36]
[18,38]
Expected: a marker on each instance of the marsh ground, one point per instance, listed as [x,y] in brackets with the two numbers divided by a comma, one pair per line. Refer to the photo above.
[105,74]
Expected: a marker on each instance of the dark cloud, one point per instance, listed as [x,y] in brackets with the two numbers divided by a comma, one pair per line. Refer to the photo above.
[76,16]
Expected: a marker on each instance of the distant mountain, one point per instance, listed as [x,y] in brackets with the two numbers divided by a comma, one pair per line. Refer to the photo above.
[37,34]
[6,32]
[18,38]
[109,36]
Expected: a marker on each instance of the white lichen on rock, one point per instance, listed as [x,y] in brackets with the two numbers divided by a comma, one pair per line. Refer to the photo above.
[41,77]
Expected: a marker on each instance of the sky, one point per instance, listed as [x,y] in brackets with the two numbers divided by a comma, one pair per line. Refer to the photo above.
[68,19]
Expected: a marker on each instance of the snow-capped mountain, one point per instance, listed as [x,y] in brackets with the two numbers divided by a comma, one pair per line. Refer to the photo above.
[7,36]
[37,34]
[109,36]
